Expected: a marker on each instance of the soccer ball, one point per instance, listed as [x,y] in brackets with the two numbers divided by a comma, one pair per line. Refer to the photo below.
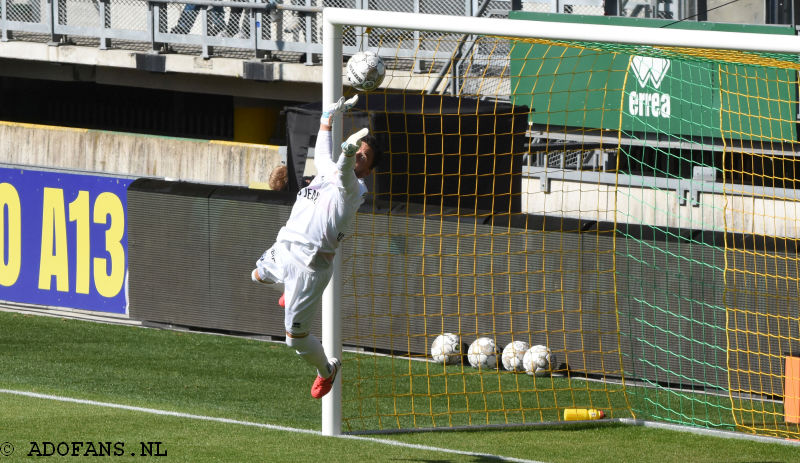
[446,349]
[482,353]
[538,360]
[365,71]
[513,355]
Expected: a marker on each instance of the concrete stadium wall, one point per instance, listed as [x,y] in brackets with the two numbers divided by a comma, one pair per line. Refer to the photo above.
[738,212]
[745,12]
[136,155]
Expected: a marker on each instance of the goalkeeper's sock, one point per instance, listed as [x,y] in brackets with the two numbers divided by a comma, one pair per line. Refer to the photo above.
[310,349]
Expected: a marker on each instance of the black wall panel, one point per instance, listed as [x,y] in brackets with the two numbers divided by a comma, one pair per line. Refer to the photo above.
[168,258]
[242,225]
[460,153]
[191,250]
[409,277]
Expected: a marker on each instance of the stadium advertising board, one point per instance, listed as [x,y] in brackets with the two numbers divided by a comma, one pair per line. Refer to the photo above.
[64,240]
[586,87]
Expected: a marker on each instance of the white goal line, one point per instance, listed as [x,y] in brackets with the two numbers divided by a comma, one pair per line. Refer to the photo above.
[271,427]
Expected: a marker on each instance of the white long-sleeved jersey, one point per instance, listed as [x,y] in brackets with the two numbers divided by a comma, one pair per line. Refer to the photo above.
[325,208]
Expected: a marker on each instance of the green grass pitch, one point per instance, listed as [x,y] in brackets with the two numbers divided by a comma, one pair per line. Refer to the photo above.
[264,383]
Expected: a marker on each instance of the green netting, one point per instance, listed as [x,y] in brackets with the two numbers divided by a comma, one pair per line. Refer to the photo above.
[632,208]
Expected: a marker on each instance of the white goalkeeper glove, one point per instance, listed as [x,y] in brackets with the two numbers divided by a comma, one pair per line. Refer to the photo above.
[340,106]
[350,146]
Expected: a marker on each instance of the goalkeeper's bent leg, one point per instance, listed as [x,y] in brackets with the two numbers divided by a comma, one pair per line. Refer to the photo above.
[309,348]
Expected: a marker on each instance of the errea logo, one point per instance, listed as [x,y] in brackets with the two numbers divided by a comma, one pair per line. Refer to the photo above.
[649,69]
[653,71]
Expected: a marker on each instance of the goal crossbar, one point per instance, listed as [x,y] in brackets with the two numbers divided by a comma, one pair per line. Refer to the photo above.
[742,41]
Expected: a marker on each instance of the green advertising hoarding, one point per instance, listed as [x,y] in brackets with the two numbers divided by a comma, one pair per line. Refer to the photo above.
[587,87]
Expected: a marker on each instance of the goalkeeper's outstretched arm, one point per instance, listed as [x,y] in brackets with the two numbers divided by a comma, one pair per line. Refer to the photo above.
[356,158]
[350,148]
[323,151]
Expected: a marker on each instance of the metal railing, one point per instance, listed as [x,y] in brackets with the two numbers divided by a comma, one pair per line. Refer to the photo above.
[257,27]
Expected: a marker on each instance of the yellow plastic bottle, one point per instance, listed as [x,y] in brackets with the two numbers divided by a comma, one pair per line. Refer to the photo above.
[579,414]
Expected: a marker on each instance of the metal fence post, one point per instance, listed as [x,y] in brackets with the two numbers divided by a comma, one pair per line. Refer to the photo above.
[309,35]
[156,22]
[256,30]
[360,30]
[208,50]
[55,12]
[417,64]
[6,34]
[104,10]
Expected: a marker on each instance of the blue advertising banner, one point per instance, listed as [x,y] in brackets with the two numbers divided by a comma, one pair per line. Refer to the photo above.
[64,240]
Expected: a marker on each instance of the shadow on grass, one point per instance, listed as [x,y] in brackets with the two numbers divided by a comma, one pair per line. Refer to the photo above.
[576,426]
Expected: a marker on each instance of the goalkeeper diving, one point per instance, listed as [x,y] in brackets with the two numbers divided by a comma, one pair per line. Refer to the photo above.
[302,257]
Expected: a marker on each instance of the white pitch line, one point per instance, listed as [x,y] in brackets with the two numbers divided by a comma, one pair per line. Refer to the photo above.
[273,427]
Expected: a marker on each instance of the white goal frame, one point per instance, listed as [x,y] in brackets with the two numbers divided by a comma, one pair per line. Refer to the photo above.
[335,19]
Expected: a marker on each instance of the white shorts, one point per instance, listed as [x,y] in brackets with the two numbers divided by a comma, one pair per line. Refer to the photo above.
[303,286]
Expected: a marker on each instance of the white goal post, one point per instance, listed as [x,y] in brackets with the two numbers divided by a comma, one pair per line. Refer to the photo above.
[335,19]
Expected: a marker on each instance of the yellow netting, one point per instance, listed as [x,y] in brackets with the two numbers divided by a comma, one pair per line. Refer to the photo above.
[761,261]
[596,199]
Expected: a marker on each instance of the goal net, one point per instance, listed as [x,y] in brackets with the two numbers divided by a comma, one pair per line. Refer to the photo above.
[630,206]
